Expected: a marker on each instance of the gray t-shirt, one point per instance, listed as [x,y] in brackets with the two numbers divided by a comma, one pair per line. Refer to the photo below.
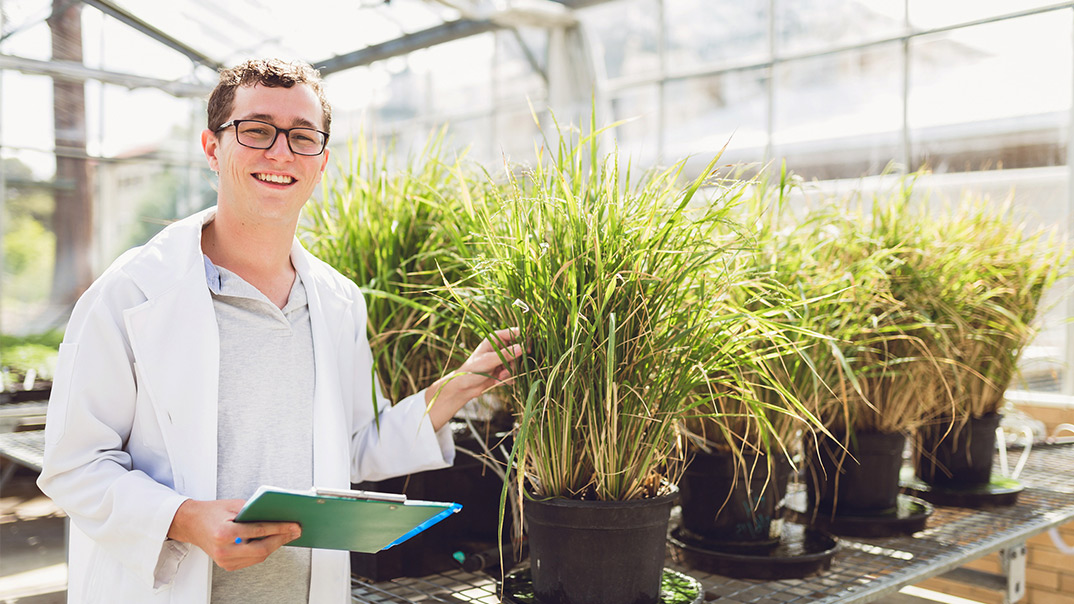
[264,422]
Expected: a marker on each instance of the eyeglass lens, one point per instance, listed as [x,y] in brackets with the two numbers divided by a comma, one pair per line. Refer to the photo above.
[259,135]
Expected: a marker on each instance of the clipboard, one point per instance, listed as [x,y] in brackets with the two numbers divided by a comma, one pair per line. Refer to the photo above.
[359,521]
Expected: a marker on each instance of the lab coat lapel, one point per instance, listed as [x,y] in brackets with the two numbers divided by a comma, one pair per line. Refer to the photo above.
[329,581]
[331,442]
[176,345]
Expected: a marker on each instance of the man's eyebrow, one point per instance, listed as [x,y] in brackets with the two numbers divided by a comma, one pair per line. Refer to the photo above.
[297,122]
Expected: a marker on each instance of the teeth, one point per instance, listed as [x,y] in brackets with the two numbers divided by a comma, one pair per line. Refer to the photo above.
[276,178]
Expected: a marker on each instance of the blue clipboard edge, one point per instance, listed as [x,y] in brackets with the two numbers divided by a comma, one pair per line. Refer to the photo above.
[451,509]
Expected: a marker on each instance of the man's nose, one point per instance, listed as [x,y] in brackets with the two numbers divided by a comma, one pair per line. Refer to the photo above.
[280,148]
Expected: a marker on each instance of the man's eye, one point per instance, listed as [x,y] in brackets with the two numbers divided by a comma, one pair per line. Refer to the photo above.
[256,130]
[302,137]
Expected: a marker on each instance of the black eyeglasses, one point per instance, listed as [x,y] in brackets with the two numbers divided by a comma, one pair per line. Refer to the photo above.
[256,134]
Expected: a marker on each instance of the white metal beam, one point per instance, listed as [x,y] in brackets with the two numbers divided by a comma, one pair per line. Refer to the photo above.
[109,8]
[78,72]
[453,30]
[425,38]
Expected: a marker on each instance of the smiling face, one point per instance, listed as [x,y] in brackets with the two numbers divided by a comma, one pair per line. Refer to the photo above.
[262,187]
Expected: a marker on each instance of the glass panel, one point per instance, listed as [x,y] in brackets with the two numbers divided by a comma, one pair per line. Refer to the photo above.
[115,46]
[28,240]
[460,74]
[234,30]
[28,33]
[123,122]
[992,95]
[405,139]
[517,135]
[637,138]
[807,26]
[840,115]
[155,170]
[353,91]
[697,35]
[703,114]
[1042,366]
[27,118]
[626,33]
[138,195]
[517,76]
[473,134]
[406,94]
[925,14]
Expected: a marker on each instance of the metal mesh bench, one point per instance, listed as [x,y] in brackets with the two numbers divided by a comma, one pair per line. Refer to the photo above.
[864,570]
[25,449]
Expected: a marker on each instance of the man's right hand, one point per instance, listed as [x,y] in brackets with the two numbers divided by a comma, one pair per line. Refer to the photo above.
[232,545]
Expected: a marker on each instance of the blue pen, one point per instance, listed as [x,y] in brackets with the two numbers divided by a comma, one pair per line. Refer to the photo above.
[240,540]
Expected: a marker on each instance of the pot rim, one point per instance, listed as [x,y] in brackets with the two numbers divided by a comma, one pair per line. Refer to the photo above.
[565,502]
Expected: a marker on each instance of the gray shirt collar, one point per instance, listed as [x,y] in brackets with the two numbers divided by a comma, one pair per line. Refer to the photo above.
[239,287]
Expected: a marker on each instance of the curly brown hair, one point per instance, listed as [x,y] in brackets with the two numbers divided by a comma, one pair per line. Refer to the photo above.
[272,73]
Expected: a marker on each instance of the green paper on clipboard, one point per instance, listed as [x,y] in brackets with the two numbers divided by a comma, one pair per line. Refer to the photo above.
[359,521]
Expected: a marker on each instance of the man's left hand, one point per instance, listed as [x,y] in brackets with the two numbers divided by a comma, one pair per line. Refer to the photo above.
[489,365]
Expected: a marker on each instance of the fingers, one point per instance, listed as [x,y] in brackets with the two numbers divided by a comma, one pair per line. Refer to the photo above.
[504,378]
[509,353]
[488,366]
[502,340]
[249,531]
[256,542]
[232,545]
[506,335]
[498,339]
[490,363]
[249,553]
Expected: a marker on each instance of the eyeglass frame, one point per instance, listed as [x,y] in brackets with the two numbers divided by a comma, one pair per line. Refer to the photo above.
[286,132]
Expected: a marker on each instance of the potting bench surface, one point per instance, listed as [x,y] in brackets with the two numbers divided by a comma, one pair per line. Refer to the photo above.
[863,570]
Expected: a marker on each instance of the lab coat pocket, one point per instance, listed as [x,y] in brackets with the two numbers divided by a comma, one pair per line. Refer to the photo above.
[56,418]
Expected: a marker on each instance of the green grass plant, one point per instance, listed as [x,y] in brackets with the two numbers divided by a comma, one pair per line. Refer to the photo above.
[394,231]
[746,407]
[607,274]
[994,271]
[861,350]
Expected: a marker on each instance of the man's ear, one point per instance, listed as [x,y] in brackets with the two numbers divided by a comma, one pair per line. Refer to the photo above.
[210,145]
[324,160]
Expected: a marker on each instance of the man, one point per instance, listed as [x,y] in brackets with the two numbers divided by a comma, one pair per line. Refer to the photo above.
[221,356]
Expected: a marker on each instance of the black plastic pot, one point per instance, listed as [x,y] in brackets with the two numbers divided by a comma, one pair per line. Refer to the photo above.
[957,455]
[863,479]
[597,552]
[734,505]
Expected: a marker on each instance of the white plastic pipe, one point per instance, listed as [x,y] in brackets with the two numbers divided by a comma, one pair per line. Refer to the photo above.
[1018,467]
[1060,545]
[1025,453]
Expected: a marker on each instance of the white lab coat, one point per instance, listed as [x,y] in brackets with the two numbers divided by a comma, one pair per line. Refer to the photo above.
[131,427]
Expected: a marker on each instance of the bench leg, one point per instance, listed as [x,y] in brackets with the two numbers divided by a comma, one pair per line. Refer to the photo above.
[8,471]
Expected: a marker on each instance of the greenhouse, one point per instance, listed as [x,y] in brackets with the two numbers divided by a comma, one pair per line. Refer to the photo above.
[537,301]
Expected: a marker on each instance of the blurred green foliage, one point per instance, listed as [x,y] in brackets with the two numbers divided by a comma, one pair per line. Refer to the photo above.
[29,244]
[20,354]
